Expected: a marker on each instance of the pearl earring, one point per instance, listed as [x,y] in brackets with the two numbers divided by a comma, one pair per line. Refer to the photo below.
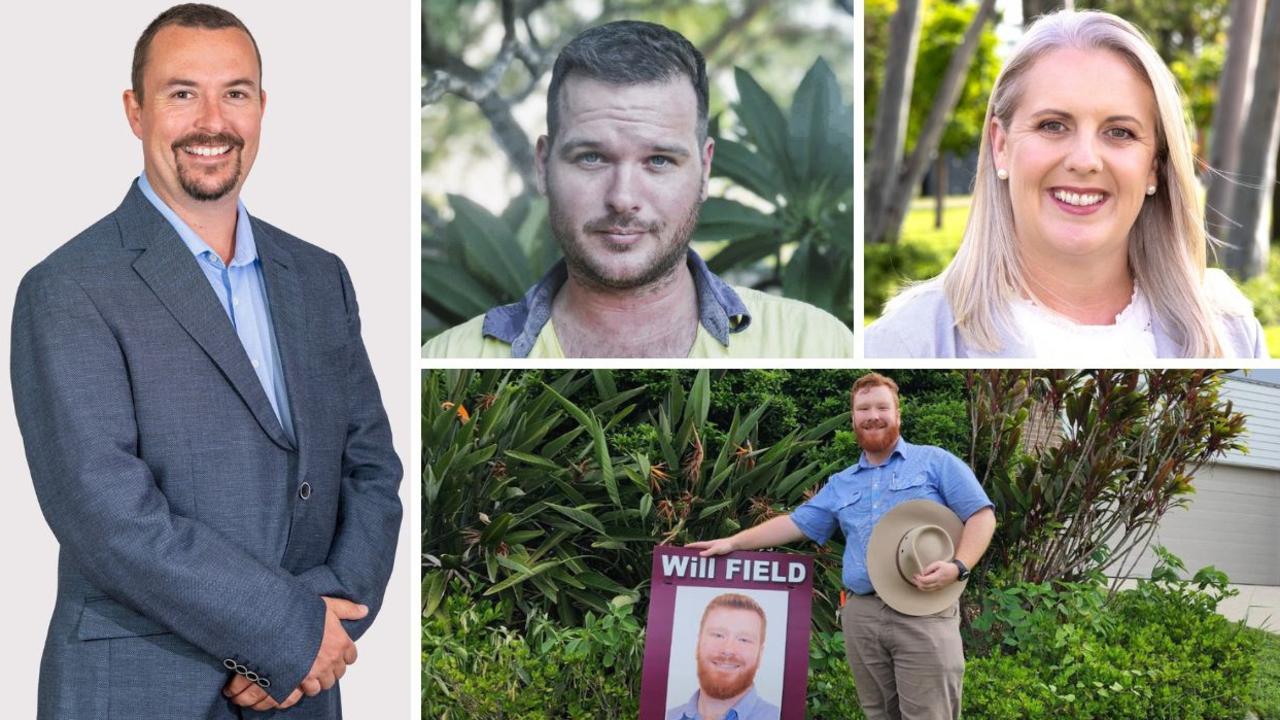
[1151,189]
[1004,175]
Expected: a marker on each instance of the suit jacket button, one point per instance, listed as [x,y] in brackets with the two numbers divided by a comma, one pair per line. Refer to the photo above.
[229,664]
[263,683]
[251,676]
[242,669]
[304,490]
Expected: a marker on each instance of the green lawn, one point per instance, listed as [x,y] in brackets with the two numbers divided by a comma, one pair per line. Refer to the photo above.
[1266,695]
[927,249]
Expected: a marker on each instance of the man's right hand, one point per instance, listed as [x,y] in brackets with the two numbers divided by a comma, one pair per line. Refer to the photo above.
[774,532]
[713,547]
[337,650]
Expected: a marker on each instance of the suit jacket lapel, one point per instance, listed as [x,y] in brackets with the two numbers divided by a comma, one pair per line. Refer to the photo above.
[284,293]
[169,269]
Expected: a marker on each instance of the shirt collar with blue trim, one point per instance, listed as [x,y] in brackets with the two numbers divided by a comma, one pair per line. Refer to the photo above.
[900,449]
[720,310]
[246,249]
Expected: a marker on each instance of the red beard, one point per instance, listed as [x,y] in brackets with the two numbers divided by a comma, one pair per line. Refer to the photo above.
[723,685]
[878,438]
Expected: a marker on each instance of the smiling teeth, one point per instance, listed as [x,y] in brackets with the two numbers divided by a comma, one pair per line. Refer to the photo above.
[208,151]
[1071,198]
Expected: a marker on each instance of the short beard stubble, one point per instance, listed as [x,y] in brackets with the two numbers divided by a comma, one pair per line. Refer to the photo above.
[671,251]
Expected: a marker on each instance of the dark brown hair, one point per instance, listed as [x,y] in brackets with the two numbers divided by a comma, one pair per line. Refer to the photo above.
[628,52]
[190,15]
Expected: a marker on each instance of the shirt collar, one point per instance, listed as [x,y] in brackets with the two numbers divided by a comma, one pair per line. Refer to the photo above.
[900,449]
[743,708]
[720,310]
[246,248]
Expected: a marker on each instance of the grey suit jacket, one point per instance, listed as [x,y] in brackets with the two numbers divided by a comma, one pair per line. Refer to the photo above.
[192,532]
[924,327]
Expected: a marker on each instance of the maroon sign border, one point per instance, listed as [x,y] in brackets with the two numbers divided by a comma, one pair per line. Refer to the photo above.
[662,605]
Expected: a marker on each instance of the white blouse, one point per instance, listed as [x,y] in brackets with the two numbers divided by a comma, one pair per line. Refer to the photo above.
[1059,338]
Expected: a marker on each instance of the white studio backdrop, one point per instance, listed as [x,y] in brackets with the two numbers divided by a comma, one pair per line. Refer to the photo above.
[334,168]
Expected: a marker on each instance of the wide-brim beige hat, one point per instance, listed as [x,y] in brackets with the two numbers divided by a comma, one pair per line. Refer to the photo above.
[905,541]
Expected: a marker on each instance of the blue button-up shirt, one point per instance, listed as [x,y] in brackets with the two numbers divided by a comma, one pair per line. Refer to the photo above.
[750,707]
[857,497]
[720,310]
[243,295]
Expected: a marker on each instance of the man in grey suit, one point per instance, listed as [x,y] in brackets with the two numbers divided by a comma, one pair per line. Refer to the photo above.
[202,424]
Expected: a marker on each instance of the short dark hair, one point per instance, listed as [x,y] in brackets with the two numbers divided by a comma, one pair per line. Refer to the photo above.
[629,52]
[190,15]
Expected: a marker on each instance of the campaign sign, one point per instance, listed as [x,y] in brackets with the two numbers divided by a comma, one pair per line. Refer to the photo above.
[727,632]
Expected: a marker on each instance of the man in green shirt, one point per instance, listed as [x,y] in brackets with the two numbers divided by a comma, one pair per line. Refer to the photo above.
[624,165]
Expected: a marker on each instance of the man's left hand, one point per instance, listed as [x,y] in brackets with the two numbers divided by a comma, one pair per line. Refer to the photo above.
[244,693]
[938,575]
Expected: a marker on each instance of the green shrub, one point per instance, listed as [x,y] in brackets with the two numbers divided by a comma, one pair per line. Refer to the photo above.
[889,267]
[1158,651]
[831,691]
[473,666]
[1264,291]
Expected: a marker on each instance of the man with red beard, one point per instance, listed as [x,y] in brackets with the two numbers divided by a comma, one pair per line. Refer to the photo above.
[731,640]
[625,165]
[904,667]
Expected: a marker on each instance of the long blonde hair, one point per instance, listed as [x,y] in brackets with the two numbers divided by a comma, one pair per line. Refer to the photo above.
[1167,243]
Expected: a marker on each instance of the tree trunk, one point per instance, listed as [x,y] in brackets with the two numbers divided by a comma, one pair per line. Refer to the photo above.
[1032,9]
[904,187]
[939,190]
[889,133]
[1233,92]
[1249,239]
[1275,207]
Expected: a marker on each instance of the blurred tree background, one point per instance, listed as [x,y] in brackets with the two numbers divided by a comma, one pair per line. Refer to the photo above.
[1224,53]
[780,213]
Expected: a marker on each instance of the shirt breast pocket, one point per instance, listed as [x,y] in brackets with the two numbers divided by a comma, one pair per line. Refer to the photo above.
[910,486]
[852,512]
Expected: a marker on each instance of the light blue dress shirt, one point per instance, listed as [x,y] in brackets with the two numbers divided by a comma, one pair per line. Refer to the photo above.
[750,707]
[857,497]
[243,295]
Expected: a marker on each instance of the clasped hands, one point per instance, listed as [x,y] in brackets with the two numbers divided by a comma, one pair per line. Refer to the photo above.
[337,651]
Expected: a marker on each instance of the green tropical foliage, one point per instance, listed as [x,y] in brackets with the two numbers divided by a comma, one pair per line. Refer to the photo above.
[800,165]
[553,489]
[1083,465]
[529,500]
[483,260]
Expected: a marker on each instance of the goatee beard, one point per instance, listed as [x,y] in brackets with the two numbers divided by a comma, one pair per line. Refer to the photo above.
[190,181]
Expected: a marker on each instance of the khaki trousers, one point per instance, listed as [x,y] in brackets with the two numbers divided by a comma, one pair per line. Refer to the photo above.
[904,667]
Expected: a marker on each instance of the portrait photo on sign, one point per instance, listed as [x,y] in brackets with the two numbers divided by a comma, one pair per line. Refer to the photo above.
[726,641]
[726,636]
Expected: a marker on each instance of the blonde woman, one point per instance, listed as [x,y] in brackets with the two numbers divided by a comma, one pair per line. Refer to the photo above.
[1086,240]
